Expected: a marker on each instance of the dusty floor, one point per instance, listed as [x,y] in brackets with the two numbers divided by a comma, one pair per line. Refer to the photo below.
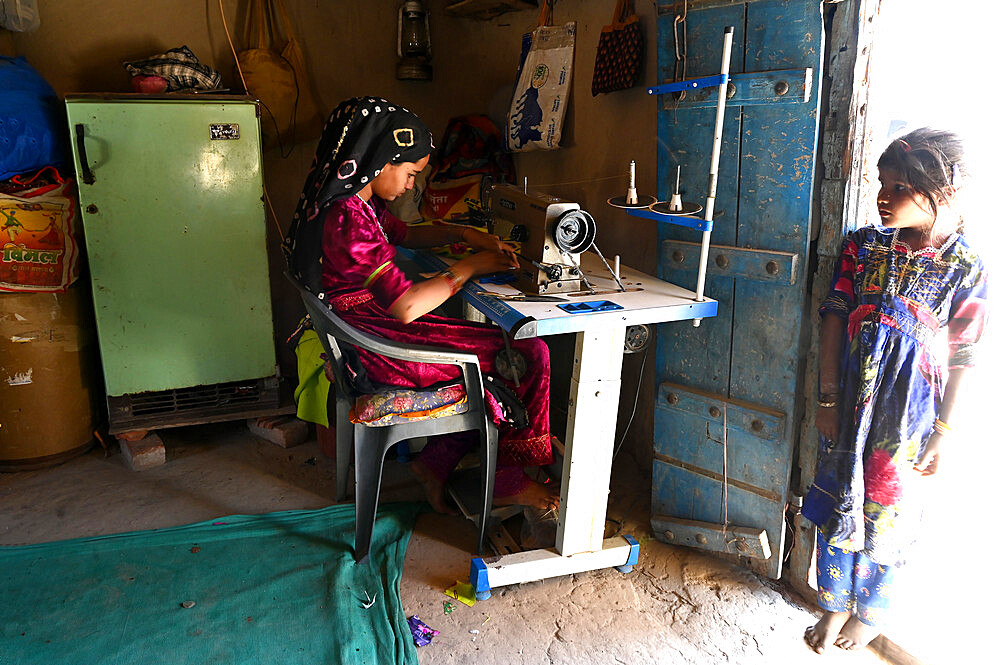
[677,606]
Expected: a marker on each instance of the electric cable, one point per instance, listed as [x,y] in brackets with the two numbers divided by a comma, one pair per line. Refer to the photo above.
[634,404]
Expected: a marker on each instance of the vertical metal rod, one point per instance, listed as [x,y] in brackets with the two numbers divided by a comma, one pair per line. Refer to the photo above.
[713,173]
[510,359]
[614,273]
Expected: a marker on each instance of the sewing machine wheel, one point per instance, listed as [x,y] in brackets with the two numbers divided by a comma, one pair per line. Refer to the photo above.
[511,363]
[636,338]
[485,193]
[574,231]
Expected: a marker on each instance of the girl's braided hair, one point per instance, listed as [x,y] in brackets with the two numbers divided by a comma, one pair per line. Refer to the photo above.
[930,161]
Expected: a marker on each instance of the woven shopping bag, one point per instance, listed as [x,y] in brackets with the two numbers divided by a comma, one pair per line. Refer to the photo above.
[544,79]
[619,52]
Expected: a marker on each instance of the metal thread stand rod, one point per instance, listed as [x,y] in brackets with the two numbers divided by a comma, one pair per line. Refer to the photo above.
[713,173]
[614,274]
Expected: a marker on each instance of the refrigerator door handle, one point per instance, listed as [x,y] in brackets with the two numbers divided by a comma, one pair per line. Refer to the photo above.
[88,175]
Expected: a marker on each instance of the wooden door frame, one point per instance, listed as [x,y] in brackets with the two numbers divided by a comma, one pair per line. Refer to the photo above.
[842,196]
[839,204]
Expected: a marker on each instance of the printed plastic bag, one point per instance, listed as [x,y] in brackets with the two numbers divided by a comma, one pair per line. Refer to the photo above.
[471,149]
[543,83]
[38,244]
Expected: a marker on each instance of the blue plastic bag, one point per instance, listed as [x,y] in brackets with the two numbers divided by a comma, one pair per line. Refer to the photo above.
[32,120]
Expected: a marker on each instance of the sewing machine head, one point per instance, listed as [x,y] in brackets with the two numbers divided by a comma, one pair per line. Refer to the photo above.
[553,233]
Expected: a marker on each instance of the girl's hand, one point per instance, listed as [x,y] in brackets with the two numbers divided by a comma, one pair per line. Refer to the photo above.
[927,465]
[490,261]
[485,242]
[828,422]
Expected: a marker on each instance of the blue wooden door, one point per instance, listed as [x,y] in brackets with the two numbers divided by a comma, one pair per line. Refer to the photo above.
[729,391]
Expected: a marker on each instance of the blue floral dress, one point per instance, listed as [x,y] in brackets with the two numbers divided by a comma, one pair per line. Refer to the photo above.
[911,315]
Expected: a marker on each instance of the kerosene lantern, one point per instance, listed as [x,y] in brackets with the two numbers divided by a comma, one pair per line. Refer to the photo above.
[413,43]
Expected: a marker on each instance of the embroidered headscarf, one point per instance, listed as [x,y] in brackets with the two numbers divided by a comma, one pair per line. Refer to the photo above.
[360,137]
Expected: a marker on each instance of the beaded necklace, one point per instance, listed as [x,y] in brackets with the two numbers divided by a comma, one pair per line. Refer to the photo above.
[892,285]
[371,209]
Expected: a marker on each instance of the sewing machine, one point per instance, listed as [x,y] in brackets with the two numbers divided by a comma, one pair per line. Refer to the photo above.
[594,386]
[553,232]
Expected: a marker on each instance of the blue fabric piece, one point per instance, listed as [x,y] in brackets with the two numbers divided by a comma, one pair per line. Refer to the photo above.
[245,589]
[499,278]
[587,307]
[852,582]
[32,120]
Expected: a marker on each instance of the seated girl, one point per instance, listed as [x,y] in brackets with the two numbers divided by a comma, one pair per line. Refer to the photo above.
[341,246]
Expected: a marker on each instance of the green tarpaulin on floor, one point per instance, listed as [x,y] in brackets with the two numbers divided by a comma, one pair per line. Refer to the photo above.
[275,588]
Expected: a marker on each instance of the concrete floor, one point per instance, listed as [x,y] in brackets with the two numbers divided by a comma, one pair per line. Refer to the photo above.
[677,606]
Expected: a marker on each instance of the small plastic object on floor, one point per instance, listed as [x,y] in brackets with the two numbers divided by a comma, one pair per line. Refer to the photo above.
[462,592]
[422,633]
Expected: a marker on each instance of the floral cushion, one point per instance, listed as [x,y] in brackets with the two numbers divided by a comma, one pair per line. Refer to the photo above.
[402,405]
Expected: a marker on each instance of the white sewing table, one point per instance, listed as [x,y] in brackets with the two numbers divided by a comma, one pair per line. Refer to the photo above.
[593,396]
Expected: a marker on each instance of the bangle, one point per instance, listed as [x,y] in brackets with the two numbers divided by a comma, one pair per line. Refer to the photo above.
[827,404]
[461,232]
[941,427]
[453,280]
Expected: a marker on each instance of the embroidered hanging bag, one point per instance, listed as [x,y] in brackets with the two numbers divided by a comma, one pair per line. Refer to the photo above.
[619,52]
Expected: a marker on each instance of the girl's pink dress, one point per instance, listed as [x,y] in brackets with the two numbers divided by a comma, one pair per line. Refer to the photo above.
[362,282]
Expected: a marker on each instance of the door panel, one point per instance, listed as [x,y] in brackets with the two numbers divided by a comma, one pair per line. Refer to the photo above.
[753,436]
[728,390]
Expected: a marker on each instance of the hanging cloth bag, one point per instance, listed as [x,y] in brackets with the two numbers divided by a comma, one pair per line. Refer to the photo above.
[541,93]
[276,76]
[619,52]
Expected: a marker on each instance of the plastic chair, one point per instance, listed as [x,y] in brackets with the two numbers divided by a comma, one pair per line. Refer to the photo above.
[372,442]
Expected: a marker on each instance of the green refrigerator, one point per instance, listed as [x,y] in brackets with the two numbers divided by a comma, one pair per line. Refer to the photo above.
[171,195]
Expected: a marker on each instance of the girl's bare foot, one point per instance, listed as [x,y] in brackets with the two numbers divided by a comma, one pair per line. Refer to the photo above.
[856,635]
[433,488]
[534,494]
[822,635]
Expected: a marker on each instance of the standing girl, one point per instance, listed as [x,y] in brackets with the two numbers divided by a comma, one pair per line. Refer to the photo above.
[906,306]
[341,246]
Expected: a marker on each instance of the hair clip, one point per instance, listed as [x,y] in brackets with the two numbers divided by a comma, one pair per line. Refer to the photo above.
[956,175]
[904,145]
